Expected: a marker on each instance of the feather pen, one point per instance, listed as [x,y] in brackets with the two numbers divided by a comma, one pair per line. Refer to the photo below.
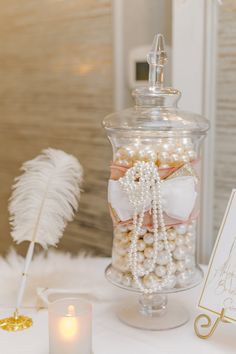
[44,199]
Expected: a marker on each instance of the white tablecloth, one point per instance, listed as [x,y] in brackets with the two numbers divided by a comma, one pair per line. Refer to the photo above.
[110,336]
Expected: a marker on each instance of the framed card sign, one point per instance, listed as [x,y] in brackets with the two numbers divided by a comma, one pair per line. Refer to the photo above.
[219,290]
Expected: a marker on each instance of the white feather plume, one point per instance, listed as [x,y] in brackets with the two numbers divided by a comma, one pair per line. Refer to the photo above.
[45,197]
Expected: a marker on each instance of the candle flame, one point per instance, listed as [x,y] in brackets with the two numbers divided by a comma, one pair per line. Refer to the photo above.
[68,325]
[71,310]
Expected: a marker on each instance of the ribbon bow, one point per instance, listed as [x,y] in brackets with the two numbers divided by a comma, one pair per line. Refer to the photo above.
[178,198]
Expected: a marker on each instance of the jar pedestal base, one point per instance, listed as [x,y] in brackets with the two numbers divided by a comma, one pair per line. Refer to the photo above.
[152,313]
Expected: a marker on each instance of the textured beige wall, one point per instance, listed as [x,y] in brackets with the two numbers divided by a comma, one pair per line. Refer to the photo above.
[225,139]
[56,86]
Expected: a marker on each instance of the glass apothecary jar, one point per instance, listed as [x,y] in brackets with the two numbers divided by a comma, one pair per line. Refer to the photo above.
[154,196]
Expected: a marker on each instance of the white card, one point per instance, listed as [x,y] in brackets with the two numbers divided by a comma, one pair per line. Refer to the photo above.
[219,290]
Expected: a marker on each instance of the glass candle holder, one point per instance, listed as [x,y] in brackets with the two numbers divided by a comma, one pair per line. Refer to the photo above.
[70,326]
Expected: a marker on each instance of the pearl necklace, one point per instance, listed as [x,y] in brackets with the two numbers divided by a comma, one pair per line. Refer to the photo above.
[142,183]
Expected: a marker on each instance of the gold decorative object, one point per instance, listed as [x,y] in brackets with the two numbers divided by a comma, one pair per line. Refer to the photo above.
[16,323]
[185,170]
[208,324]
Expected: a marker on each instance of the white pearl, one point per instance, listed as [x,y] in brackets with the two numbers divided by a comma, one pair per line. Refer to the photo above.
[180,240]
[148,252]
[130,227]
[137,144]
[175,158]
[187,143]
[189,241]
[180,266]
[129,236]
[161,236]
[164,157]
[151,155]
[125,263]
[130,152]
[160,246]
[165,165]
[160,271]
[168,147]
[140,257]
[171,282]
[123,163]
[116,263]
[163,258]
[117,276]
[140,155]
[142,231]
[171,246]
[114,254]
[192,155]
[191,227]
[190,234]
[141,245]
[125,241]
[191,248]
[120,154]
[147,263]
[127,280]
[148,238]
[180,252]
[179,151]
[126,238]
[165,147]
[189,261]
[125,153]
[149,280]
[116,243]
[185,158]
[181,229]
[171,235]
[123,228]
[184,278]
[121,251]
[122,265]
[147,154]
[118,235]
[171,267]
[126,258]
[134,284]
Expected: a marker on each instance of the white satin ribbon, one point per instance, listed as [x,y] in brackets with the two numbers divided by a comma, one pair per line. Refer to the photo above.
[178,198]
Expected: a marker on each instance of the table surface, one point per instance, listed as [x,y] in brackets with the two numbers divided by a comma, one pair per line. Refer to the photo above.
[110,336]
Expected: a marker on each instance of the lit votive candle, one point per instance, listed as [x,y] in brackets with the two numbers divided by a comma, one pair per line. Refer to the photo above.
[70,327]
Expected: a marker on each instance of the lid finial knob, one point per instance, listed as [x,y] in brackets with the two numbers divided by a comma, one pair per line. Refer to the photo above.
[156,58]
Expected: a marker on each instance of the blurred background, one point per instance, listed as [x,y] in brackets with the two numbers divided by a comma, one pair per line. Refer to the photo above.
[65,64]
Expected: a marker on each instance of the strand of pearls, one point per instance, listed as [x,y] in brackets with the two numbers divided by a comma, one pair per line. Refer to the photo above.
[142,183]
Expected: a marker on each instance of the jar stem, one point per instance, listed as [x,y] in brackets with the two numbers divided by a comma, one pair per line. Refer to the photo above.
[153,305]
